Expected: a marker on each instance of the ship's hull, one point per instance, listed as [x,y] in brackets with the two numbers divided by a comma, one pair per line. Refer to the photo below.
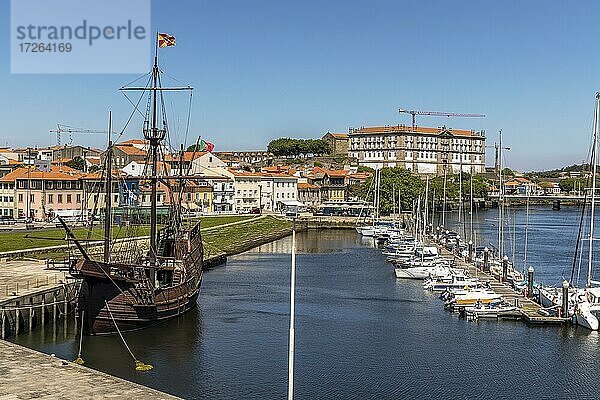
[138,295]
[104,306]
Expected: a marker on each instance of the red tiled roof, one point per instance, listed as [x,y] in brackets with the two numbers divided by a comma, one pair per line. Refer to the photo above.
[416,129]
[55,173]
[339,135]
[306,186]
[135,141]
[130,150]
[187,156]
[330,172]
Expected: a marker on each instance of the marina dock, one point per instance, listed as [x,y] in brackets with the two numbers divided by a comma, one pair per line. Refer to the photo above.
[22,369]
[528,310]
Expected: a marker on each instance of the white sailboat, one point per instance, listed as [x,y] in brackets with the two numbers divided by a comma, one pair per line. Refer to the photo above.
[588,300]
[370,230]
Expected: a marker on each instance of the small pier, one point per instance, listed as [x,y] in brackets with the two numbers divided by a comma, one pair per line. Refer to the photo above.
[528,309]
[31,295]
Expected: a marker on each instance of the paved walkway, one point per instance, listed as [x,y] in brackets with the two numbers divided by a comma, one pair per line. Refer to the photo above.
[20,277]
[28,374]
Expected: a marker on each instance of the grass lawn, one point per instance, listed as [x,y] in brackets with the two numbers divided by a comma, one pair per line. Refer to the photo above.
[20,240]
[232,239]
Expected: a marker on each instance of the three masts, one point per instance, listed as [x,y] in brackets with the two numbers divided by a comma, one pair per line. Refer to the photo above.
[139,290]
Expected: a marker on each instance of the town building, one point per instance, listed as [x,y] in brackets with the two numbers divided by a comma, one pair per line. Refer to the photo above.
[124,153]
[262,191]
[71,152]
[339,143]
[223,195]
[331,183]
[39,194]
[521,186]
[309,194]
[7,201]
[246,157]
[193,162]
[423,150]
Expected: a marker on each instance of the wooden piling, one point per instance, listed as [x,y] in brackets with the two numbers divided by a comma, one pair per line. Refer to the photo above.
[17,319]
[65,301]
[30,319]
[54,307]
[43,309]
[3,335]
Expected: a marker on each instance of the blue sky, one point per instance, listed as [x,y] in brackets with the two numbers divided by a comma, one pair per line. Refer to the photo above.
[264,69]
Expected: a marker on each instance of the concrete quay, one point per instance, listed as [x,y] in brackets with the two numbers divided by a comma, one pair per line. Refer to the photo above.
[28,374]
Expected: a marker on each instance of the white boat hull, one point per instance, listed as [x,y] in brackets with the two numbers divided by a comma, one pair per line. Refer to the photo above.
[414,272]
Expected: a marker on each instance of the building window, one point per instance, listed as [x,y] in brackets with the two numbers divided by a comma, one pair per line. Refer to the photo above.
[50,198]
[32,198]
[20,198]
[68,198]
[60,199]
[79,198]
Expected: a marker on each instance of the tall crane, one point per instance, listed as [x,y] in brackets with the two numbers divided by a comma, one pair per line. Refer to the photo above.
[414,113]
[60,128]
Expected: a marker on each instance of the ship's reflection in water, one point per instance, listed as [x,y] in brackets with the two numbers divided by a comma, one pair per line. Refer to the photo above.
[360,334]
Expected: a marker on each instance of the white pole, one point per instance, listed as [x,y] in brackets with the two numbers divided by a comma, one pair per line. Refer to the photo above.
[594,162]
[292,314]
[500,203]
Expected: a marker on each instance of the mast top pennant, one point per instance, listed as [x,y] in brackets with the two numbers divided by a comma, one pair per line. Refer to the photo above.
[165,40]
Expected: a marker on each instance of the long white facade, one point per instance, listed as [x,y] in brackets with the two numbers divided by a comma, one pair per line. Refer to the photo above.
[426,151]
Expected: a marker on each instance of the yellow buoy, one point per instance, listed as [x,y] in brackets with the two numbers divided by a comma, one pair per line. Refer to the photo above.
[140,366]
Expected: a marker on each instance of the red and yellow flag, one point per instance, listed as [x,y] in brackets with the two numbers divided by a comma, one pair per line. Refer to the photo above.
[165,40]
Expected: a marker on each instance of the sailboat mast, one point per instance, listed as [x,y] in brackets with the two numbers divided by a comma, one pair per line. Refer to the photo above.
[526,234]
[471,205]
[108,198]
[460,199]
[592,208]
[444,202]
[426,214]
[500,202]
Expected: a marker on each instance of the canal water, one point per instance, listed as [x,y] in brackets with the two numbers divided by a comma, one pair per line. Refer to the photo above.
[360,333]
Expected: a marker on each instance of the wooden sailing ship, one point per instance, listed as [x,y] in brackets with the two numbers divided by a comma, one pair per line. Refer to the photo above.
[144,288]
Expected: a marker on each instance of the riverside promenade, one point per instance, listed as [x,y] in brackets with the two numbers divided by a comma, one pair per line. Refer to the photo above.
[28,374]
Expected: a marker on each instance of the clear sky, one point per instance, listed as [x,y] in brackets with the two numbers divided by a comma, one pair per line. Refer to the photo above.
[264,69]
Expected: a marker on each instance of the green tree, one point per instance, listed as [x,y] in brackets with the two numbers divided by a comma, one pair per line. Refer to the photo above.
[363,168]
[569,184]
[508,172]
[287,147]
[77,163]
[394,181]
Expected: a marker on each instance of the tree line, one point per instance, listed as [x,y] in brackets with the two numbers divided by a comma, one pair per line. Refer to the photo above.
[399,181]
[287,147]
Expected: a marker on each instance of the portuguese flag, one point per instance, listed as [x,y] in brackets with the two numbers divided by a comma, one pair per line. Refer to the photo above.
[206,146]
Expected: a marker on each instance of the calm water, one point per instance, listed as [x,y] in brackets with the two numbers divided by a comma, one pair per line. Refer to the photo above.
[360,333]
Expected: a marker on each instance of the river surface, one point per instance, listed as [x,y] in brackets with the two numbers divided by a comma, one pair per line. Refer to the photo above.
[360,333]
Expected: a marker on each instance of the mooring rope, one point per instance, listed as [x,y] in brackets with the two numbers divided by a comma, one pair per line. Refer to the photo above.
[139,366]
[79,360]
